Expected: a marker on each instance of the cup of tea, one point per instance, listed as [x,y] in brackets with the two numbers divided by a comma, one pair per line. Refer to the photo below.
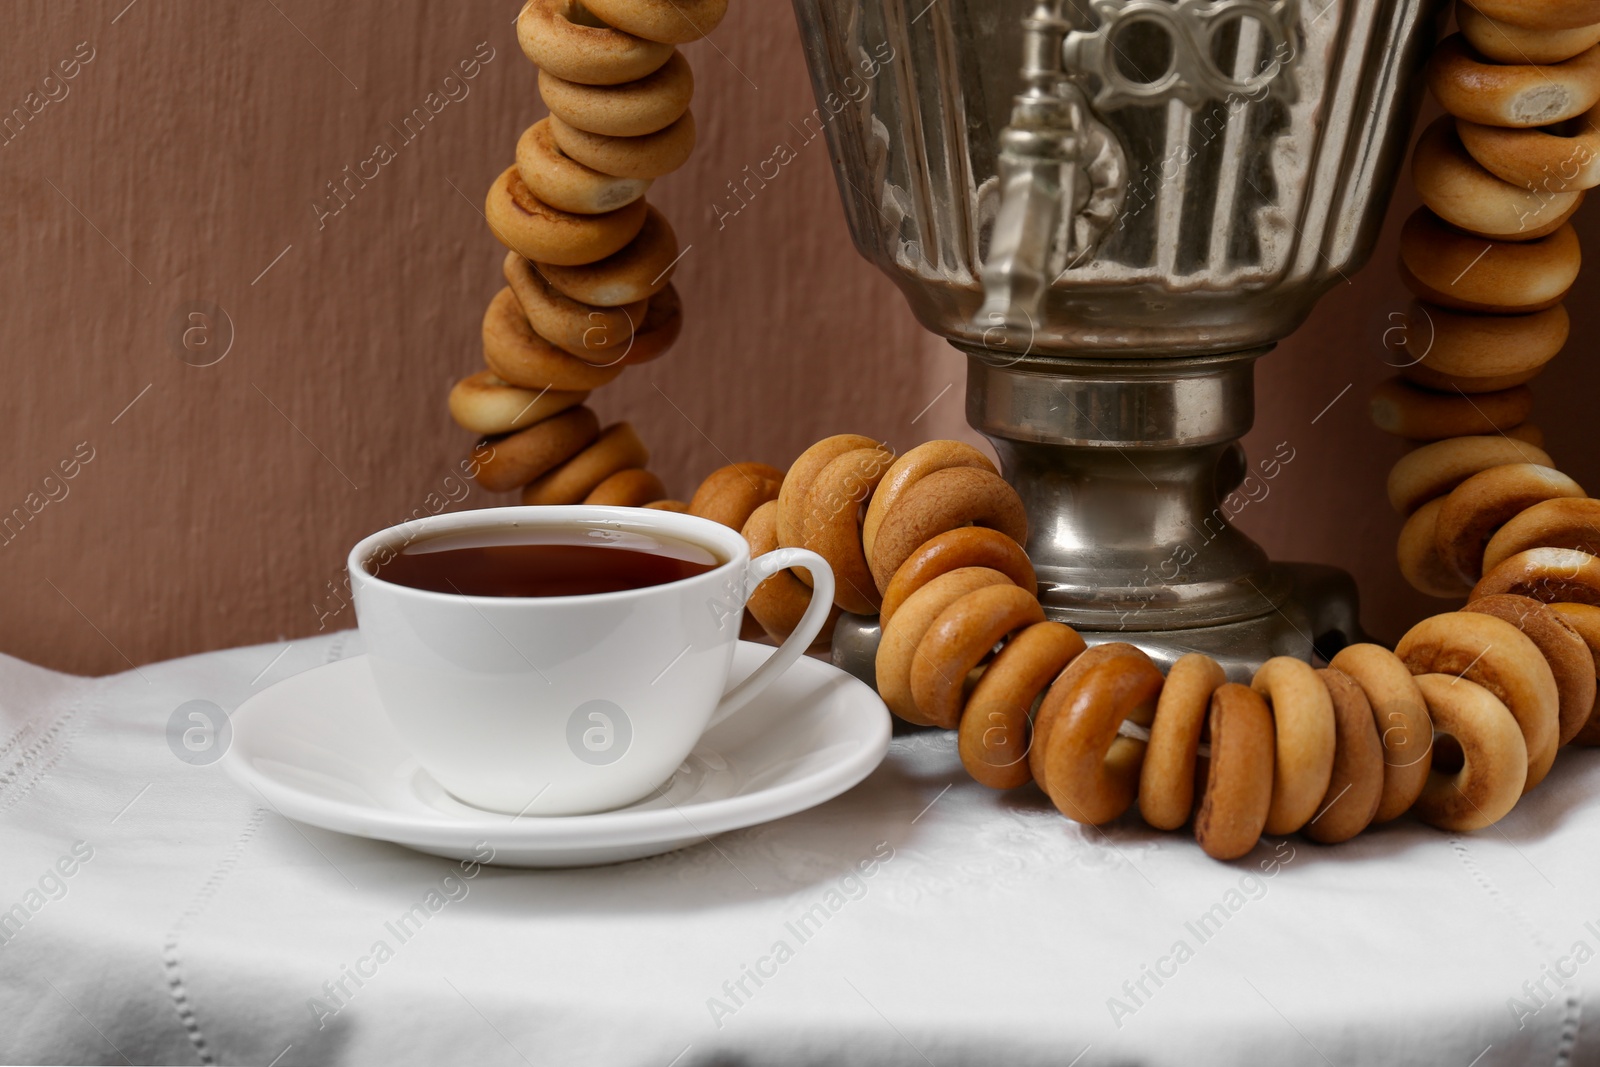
[563,660]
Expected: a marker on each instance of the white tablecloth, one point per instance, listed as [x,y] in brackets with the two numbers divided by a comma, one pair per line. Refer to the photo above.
[918,919]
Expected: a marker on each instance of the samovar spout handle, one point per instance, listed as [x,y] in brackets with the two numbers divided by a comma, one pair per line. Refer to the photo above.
[1062,180]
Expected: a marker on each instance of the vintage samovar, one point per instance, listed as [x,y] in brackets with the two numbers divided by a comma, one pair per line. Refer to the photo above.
[1114,208]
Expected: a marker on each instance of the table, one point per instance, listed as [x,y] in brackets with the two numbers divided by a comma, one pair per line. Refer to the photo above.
[151,911]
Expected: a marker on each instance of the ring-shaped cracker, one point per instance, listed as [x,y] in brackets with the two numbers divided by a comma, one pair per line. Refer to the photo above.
[507,462]
[1563,522]
[1400,716]
[897,648]
[911,468]
[967,546]
[831,524]
[1166,782]
[1496,655]
[1303,720]
[485,404]
[1055,699]
[996,728]
[1585,619]
[1564,651]
[963,635]
[618,448]
[520,357]
[1478,507]
[1239,773]
[1494,756]
[1356,784]
[940,501]
[731,494]
[778,603]
[1553,575]
[1093,774]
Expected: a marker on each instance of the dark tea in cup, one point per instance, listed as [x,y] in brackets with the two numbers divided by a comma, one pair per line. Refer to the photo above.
[547,561]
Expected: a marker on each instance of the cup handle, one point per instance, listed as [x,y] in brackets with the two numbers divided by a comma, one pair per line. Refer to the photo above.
[816,614]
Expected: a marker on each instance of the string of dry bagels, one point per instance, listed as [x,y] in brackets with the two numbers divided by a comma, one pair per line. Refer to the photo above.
[932,541]
[1489,258]
[589,268]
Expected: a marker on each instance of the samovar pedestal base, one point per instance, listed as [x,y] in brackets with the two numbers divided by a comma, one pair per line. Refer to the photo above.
[1319,616]
[1131,473]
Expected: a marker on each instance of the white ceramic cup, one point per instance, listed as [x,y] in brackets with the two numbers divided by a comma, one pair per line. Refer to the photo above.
[567,705]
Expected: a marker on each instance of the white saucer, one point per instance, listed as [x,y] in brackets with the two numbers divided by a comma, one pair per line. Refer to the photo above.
[319,749]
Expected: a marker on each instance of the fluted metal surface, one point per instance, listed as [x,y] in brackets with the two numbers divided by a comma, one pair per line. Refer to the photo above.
[1238,212]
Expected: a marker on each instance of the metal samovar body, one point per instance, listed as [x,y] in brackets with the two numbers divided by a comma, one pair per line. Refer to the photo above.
[1113,230]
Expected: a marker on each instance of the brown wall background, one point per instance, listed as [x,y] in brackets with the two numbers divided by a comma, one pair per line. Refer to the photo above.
[179,171]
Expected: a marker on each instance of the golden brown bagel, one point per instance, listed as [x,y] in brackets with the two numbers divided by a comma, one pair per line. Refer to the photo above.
[525,224]
[830,526]
[627,489]
[1505,42]
[1483,503]
[1553,159]
[631,109]
[596,335]
[995,731]
[1494,757]
[563,37]
[1553,575]
[1435,469]
[945,500]
[1166,781]
[663,321]
[1303,720]
[1498,656]
[1542,15]
[1356,784]
[968,546]
[908,470]
[897,649]
[1239,774]
[1511,94]
[1562,647]
[1447,267]
[487,405]
[731,494]
[617,449]
[1446,350]
[649,156]
[1421,415]
[961,637]
[1468,197]
[1400,716]
[1419,559]
[1093,774]
[1055,699]
[778,603]
[670,21]
[562,182]
[504,463]
[640,270]
[1564,522]
[796,488]
[521,357]
[1585,619]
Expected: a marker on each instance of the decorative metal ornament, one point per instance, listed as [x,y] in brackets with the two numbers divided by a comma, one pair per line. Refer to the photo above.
[1259,34]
